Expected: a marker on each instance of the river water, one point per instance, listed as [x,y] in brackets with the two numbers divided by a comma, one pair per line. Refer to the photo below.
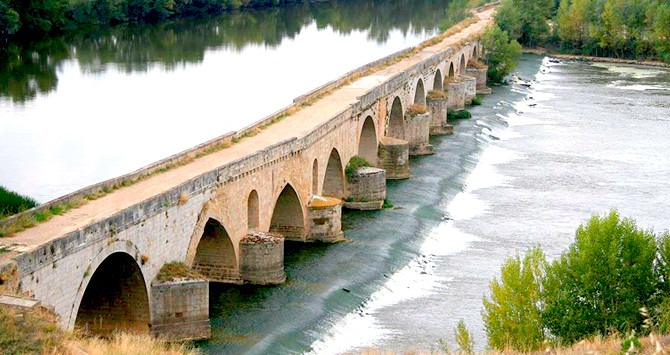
[529,167]
[81,109]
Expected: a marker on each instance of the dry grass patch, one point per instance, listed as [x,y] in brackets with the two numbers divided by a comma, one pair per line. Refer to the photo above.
[177,270]
[417,109]
[126,344]
[435,94]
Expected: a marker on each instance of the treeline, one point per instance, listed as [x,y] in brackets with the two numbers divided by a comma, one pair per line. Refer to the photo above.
[613,28]
[613,280]
[36,18]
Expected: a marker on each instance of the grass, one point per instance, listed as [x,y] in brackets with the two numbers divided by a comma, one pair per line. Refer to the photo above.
[177,270]
[387,204]
[475,63]
[458,115]
[476,101]
[435,94]
[417,109]
[354,164]
[12,202]
[36,332]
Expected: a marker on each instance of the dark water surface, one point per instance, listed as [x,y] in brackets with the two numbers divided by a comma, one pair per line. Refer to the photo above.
[82,109]
[532,164]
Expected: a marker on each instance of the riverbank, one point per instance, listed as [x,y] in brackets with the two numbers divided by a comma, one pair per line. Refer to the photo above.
[593,59]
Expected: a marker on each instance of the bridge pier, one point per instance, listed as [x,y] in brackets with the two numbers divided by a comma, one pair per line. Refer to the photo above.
[180,309]
[367,189]
[324,215]
[456,94]
[394,158]
[418,133]
[262,259]
[470,88]
[437,106]
[480,73]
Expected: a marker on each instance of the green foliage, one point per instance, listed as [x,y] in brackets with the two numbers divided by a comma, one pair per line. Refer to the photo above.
[458,115]
[457,11]
[12,202]
[502,55]
[9,20]
[39,17]
[525,20]
[631,344]
[603,279]
[477,101]
[464,338]
[354,164]
[387,204]
[512,316]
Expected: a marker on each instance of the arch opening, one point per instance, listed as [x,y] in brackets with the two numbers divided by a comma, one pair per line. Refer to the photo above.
[333,182]
[396,126]
[475,53]
[367,144]
[215,255]
[287,217]
[420,93]
[315,177]
[437,82]
[462,67]
[252,211]
[115,298]
[452,73]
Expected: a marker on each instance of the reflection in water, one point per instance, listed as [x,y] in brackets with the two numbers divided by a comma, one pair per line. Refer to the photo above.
[33,69]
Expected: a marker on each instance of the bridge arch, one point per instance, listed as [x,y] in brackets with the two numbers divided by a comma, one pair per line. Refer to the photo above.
[396,125]
[288,218]
[367,142]
[452,73]
[475,53]
[115,297]
[315,177]
[253,209]
[462,67]
[419,93]
[437,82]
[333,182]
[215,255]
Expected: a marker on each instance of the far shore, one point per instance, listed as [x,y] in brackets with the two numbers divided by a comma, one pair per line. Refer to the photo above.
[586,58]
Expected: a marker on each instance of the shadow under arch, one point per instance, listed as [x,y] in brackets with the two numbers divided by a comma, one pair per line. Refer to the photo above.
[396,125]
[367,141]
[333,181]
[115,298]
[215,255]
[288,218]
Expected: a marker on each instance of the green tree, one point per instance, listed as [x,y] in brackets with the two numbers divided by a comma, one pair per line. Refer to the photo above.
[512,316]
[463,338]
[600,283]
[9,20]
[525,20]
[659,16]
[40,17]
[502,55]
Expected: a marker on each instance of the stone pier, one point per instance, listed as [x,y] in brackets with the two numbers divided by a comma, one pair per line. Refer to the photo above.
[470,88]
[180,309]
[324,214]
[437,106]
[262,258]
[367,189]
[418,133]
[394,158]
[480,73]
[455,94]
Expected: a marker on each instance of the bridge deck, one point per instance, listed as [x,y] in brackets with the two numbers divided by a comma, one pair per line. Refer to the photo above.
[298,125]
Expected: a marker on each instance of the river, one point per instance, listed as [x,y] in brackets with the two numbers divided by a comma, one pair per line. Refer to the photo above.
[81,109]
[529,167]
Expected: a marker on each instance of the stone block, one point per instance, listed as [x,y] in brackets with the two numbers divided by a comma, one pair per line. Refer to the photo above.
[262,258]
[367,189]
[455,94]
[470,88]
[394,158]
[417,132]
[324,215]
[180,309]
[481,75]
[438,111]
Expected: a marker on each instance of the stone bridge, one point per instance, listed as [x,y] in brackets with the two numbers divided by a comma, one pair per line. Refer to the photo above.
[224,208]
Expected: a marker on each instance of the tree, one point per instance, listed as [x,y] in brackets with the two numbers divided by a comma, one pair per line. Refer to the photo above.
[600,283]
[501,54]
[40,17]
[463,338]
[525,20]
[512,316]
[9,20]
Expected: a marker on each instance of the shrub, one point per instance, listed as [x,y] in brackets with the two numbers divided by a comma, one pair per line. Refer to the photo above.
[458,115]
[354,164]
[176,270]
[512,316]
[435,94]
[464,338]
[387,204]
[417,109]
[598,285]
[476,101]
[502,54]
[12,202]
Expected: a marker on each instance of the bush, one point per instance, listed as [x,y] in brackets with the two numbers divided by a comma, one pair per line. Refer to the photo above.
[354,164]
[9,20]
[458,115]
[12,203]
[464,338]
[477,101]
[435,94]
[417,109]
[502,55]
[599,284]
[512,316]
